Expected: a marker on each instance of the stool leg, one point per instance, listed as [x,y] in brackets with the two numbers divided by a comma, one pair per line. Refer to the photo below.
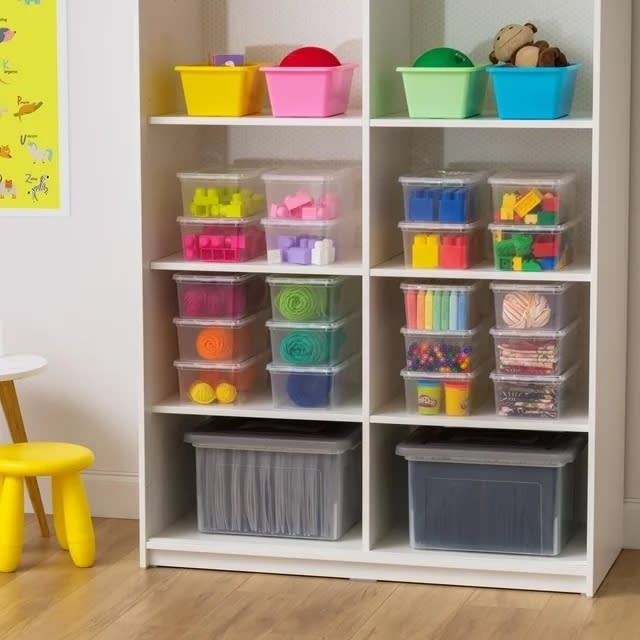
[11,523]
[11,409]
[58,512]
[77,520]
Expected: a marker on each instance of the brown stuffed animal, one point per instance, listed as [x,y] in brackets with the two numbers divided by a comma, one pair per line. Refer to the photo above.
[515,45]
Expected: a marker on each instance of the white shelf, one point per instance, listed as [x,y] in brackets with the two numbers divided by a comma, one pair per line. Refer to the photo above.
[261,407]
[175,262]
[395,547]
[395,268]
[349,119]
[184,536]
[395,413]
[402,120]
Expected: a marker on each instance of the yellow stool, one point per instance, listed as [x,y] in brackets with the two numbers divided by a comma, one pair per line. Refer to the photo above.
[71,515]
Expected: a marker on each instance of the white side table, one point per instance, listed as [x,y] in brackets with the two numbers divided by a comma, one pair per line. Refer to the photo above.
[16,367]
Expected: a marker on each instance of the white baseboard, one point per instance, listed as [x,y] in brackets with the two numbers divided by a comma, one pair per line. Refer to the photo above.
[632,523]
[111,495]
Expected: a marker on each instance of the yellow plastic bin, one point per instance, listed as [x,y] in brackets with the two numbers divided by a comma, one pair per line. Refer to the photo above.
[444,92]
[222,91]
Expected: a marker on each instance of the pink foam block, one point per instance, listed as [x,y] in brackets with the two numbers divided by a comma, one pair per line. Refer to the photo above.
[313,213]
[278,211]
[330,202]
[298,200]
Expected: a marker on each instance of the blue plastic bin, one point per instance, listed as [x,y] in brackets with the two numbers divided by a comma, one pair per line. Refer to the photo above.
[533,93]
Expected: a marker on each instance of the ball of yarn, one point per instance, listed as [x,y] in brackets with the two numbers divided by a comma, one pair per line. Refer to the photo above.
[202,393]
[310,57]
[215,343]
[300,304]
[443,57]
[523,310]
[305,348]
[226,393]
[309,391]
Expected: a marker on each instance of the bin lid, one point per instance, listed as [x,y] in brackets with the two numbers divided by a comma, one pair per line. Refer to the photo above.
[489,447]
[445,177]
[281,436]
[535,334]
[458,287]
[223,278]
[532,287]
[331,281]
[532,178]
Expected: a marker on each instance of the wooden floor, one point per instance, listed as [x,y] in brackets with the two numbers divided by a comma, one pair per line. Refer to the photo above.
[49,599]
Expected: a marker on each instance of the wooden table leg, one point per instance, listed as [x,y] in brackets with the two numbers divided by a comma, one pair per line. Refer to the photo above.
[11,408]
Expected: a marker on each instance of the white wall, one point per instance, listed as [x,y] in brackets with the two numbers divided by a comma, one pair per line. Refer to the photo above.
[70,288]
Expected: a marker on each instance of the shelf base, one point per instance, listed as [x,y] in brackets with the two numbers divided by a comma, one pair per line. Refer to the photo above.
[181,545]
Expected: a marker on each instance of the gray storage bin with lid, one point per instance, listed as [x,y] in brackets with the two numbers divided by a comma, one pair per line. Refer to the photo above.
[478,490]
[284,479]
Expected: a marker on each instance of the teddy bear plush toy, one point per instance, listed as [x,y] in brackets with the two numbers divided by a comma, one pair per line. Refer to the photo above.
[515,45]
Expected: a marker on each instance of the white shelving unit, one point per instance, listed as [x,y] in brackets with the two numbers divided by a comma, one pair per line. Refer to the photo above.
[380,35]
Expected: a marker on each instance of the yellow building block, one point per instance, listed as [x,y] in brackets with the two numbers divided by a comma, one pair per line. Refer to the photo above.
[508,204]
[528,202]
[426,251]
[237,208]
[531,218]
[517,264]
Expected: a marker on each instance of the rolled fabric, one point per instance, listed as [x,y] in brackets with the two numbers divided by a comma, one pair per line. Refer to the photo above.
[306,347]
[300,304]
[309,391]
[215,343]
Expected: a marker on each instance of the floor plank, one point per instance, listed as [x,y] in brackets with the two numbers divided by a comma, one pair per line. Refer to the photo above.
[116,600]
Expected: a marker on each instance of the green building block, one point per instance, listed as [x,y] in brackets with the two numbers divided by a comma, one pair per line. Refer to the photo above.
[531,265]
[522,243]
[505,248]
[547,218]
[505,263]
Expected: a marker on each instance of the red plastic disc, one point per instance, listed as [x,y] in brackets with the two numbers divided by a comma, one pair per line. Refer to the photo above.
[310,57]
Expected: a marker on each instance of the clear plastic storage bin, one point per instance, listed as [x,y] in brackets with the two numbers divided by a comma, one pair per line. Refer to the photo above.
[222,382]
[313,299]
[311,193]
[315,344]
[438,246]
[448,197]
[479,490]
[225,192]
[444,351]
[299,480]
[222,239]
[316,387]
[532,352]
[534,306]
[304,242]
[442,307]
[222,340]
[542,397]
[221,296]
[533,198]
[446,394]
[531,249]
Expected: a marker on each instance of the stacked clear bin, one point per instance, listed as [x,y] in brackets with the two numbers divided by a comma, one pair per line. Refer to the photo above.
[222,209]
[445,214]
[316,342]
[533,220]
[222,340]
[311,214]
[445,349]
[536,342]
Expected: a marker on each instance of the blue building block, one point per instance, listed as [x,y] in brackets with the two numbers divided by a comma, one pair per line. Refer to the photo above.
[548,264]
[453,206]
[422,206]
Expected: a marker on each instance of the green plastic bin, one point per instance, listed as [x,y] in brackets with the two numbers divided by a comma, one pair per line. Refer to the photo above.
[444,92]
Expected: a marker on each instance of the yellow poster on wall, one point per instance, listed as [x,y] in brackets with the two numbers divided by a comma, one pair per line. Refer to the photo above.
[32,108]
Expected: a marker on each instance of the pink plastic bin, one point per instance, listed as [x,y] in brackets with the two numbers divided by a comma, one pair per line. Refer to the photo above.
[222,240]
[309,92]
